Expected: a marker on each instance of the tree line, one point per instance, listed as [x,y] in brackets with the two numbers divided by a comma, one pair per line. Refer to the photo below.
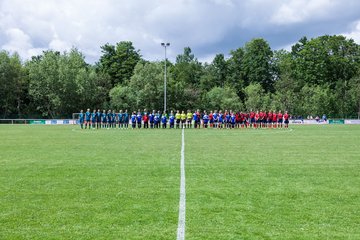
[317,76]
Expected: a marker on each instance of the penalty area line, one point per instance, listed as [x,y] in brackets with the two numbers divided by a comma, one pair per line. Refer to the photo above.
[182,202]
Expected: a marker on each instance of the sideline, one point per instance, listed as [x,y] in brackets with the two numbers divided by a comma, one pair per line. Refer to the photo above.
[182,203]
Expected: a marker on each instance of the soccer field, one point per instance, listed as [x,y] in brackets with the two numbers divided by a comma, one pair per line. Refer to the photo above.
[60,182]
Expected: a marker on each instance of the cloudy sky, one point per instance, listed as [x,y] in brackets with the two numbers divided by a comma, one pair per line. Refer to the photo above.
[207,26]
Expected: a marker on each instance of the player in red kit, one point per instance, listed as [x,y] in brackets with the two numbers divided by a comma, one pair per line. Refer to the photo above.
[286,119]
[274,119]
[237,117]
[264,122]
[257,119]
[252,118]
[269,119]
[261,117]
[242,119]
[211,119]
[280,119]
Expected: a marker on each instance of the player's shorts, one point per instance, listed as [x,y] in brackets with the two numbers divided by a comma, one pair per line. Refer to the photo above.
[264,120]
[183,121]
[286,121]
[189,120]
[252,120]
[258,121]
[177,121]
[269,120]
[280,121]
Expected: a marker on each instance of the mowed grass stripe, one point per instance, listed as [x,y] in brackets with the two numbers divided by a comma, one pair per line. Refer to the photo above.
[274,184]
[56,183]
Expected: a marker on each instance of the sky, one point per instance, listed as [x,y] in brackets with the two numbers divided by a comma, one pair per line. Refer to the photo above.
[208,27]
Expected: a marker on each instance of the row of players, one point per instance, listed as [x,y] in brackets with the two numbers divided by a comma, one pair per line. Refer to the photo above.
[215,119]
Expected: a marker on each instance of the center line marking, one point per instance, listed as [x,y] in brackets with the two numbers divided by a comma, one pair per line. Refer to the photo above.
[182,203]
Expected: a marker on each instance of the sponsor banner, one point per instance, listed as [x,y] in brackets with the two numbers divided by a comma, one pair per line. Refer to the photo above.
[352,121]
[37,121]
[59,121]
[307,121]
[336,121]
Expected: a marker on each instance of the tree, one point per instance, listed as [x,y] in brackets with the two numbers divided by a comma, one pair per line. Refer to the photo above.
[122,98]
[256,62]
[236,74]
[354,95]
[254,93]
[316,100]
[55,82]
[222,98]
[286,86]
[13,85]
[184,82]
[325,60]
[119,61]
[187,68]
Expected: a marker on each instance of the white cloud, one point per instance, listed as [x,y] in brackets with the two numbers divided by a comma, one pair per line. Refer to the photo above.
[20,42]
[208,27]
[355,32]
[296,11]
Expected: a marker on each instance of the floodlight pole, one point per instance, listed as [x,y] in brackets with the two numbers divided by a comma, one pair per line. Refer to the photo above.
[165,45]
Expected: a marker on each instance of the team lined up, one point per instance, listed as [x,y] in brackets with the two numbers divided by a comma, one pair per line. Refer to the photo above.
[196,119]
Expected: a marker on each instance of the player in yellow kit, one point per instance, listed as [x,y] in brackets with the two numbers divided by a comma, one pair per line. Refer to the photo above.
[183,119]
[178,118]
[189,118]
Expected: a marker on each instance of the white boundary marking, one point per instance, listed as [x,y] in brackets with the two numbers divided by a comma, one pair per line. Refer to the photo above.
[182,202]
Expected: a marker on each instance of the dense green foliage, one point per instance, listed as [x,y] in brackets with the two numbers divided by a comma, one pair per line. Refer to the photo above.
[317,76]
[61,182]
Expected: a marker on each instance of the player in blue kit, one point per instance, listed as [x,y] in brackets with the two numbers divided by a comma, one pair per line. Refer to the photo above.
[87,118]
[221,119]
[215,118]
[195,120]
[81,119]
[93,119]
[98,119]
[227,119]
[126,119]
[133,120]
[233,120]
[120,119]
[157,120]
[139,119]
[151,119]
[163,120]
[171,119]
[205,119]
[104,119]
[109,119]
[114,119]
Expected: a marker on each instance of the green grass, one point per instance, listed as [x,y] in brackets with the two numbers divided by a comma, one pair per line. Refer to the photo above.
[58,182]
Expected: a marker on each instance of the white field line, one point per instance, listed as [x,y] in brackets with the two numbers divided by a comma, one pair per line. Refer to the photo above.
[182,203]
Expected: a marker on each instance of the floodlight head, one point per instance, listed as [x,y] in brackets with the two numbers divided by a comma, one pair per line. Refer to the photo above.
[167,44]
[162,44]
